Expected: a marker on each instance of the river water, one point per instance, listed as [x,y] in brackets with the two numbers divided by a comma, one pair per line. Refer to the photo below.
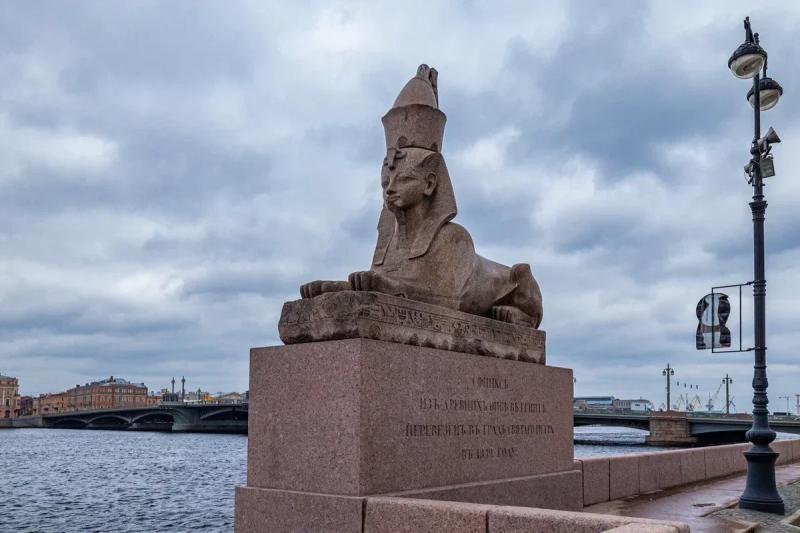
[61,480]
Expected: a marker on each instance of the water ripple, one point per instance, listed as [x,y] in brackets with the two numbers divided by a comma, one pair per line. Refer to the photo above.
[59,481]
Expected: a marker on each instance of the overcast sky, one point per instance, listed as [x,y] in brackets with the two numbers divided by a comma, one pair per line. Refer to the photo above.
[171,172]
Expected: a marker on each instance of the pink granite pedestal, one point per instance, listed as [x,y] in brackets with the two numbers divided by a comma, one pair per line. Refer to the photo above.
[334,422]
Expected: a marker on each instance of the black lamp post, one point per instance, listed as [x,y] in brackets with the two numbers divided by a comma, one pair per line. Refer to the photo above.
[668,372]
[748,61]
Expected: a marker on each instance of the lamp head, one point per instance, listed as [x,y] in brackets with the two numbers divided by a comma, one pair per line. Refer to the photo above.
[769,92]
[747,60]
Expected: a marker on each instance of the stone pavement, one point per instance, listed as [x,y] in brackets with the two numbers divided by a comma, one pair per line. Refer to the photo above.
[770,522]
[711,506]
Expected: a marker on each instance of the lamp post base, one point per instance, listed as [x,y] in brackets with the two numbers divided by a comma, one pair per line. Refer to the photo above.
[761,493]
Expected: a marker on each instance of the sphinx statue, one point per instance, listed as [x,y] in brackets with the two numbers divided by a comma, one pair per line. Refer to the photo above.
[420,253]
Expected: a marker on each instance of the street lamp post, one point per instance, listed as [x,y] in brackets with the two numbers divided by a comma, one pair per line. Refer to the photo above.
[727,380]
[668,372]
[787,398]
[748,61]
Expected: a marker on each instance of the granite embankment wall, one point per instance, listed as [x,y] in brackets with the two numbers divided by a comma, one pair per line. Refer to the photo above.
[389,515]
[21,422]
[604,479]
[395,514]
[620,476]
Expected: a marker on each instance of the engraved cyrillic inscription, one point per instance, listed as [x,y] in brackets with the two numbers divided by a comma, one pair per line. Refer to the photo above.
[494,420]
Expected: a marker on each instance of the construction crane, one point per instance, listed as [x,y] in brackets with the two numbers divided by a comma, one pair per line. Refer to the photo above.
[679,404]
[688,404]
[710,404]
[695,403]
[713,401]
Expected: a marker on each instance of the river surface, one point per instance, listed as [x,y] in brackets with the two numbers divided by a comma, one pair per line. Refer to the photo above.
[61,480]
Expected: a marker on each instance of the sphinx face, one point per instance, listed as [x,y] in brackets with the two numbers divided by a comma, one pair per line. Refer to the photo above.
[404,181]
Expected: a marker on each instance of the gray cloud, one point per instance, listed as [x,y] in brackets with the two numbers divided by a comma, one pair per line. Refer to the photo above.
[169,174]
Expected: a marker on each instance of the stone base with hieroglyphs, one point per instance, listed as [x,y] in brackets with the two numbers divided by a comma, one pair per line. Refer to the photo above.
[330,422]
[372,315]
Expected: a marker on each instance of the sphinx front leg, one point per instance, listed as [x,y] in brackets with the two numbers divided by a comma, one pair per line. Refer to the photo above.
[512,315]
[369,280]
[315,288]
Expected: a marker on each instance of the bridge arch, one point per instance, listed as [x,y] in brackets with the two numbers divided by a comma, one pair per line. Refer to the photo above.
[153,414]
[108,416]
[224,414]
[69,423]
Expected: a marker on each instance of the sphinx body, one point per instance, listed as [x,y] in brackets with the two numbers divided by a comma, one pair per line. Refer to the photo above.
[420,253]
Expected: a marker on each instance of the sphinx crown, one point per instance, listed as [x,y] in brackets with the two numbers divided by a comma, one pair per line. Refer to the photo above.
[415,119]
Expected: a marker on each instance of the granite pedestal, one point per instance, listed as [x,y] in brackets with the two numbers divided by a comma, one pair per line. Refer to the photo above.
[331,423]
[382,317]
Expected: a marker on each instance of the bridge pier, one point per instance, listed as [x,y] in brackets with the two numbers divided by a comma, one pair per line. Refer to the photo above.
[670,428]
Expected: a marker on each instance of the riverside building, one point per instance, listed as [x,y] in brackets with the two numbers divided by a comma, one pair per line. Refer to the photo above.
[50,403]
[107,394]
[9,397]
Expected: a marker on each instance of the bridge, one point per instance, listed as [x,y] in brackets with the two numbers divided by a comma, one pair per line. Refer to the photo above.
[176,417]
[666,428]
[680,428]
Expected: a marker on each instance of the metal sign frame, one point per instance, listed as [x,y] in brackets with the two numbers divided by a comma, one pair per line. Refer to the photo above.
[713,310]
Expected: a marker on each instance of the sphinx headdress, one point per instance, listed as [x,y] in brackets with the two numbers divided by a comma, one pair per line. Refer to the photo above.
[415,122]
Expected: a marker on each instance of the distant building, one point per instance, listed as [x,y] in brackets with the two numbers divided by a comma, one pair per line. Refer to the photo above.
[9,397]
[198,396]
[230,397]
[107,394]
[593,402]
[609,403]
[153,399]
[50,403]
[637,406]
[170,397]
[25,405]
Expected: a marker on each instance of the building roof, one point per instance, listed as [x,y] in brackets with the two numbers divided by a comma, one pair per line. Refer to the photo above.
[111,381]
[595,398]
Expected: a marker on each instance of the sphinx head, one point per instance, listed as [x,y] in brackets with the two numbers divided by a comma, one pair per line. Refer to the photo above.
[409,177]
[414,172]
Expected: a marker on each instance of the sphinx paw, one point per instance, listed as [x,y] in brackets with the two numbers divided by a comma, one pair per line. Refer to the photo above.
[311,289]
[510,314]
[365,280]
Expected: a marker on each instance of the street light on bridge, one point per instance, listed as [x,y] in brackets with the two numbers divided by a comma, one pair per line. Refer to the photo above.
[749,60]
[787,398]
[668,372]
[727,380]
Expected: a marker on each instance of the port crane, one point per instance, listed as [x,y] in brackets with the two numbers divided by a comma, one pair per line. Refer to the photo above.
[688,404]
